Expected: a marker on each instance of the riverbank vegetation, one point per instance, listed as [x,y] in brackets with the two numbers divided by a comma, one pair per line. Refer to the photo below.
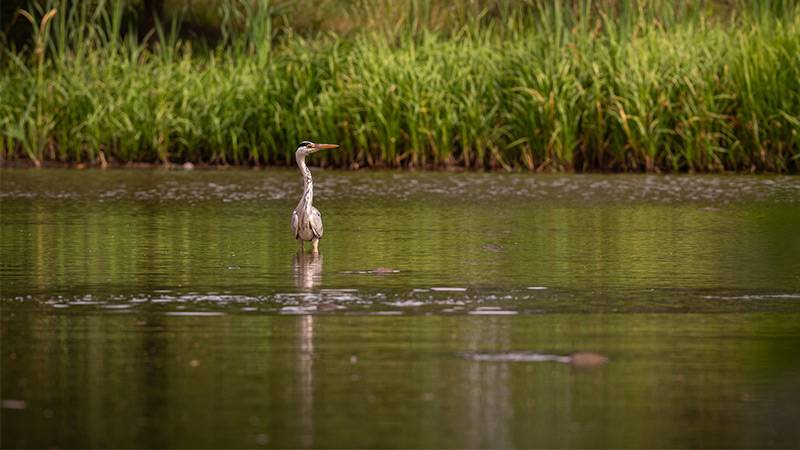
[647,85]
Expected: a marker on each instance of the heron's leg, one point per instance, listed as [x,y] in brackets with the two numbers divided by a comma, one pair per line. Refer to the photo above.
[315,245]
[300,241]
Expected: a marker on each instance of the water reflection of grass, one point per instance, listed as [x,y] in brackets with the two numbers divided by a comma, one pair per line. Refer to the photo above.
[528,84]
[721,380]
[170,230]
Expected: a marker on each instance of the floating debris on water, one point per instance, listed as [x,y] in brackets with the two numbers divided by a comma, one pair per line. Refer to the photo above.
[514,357]
[587,359]
[578,359]
[448,289]
[13,404]
[375,271]
[497,248]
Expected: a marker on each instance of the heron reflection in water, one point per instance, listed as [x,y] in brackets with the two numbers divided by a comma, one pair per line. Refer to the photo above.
[307,270]
[307,274]
[305,379]
[306,220]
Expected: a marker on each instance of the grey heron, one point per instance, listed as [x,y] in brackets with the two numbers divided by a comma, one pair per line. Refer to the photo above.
[306,220]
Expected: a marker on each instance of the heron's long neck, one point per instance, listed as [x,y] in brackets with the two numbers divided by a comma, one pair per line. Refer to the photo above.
[308,184]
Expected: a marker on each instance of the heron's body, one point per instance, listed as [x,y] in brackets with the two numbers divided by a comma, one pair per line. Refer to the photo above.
[307,224]
[307,220]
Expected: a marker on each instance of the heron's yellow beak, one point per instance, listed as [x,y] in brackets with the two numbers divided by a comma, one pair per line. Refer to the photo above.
[323,146]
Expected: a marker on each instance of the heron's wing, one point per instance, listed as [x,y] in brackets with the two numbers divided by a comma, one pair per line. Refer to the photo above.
[295,223]
[316,222]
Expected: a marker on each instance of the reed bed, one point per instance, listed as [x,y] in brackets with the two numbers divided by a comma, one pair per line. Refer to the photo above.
[552,86]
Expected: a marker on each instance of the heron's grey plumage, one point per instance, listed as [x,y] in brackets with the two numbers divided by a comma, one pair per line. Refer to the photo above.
[307,220]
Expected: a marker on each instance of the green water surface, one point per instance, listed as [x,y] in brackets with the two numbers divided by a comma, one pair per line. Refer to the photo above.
[155,308]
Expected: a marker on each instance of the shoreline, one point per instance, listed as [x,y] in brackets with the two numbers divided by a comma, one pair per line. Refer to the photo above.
[189,166]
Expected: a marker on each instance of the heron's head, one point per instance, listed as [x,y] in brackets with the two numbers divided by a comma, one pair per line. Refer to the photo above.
[307,147]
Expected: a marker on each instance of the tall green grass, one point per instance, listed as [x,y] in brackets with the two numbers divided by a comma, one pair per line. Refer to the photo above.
[623,86]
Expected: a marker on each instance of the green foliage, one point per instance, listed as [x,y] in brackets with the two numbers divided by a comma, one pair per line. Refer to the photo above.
[540,85]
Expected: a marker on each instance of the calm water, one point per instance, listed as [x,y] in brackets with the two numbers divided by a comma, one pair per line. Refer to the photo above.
[169,309]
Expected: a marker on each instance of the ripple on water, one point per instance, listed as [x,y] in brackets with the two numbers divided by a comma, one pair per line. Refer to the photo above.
[491,311]
[472,302]
[194,313]
[247,186]
[298,309]
[406,303]
[754,296]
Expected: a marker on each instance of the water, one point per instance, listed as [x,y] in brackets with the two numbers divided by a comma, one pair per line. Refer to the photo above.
[151,308]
